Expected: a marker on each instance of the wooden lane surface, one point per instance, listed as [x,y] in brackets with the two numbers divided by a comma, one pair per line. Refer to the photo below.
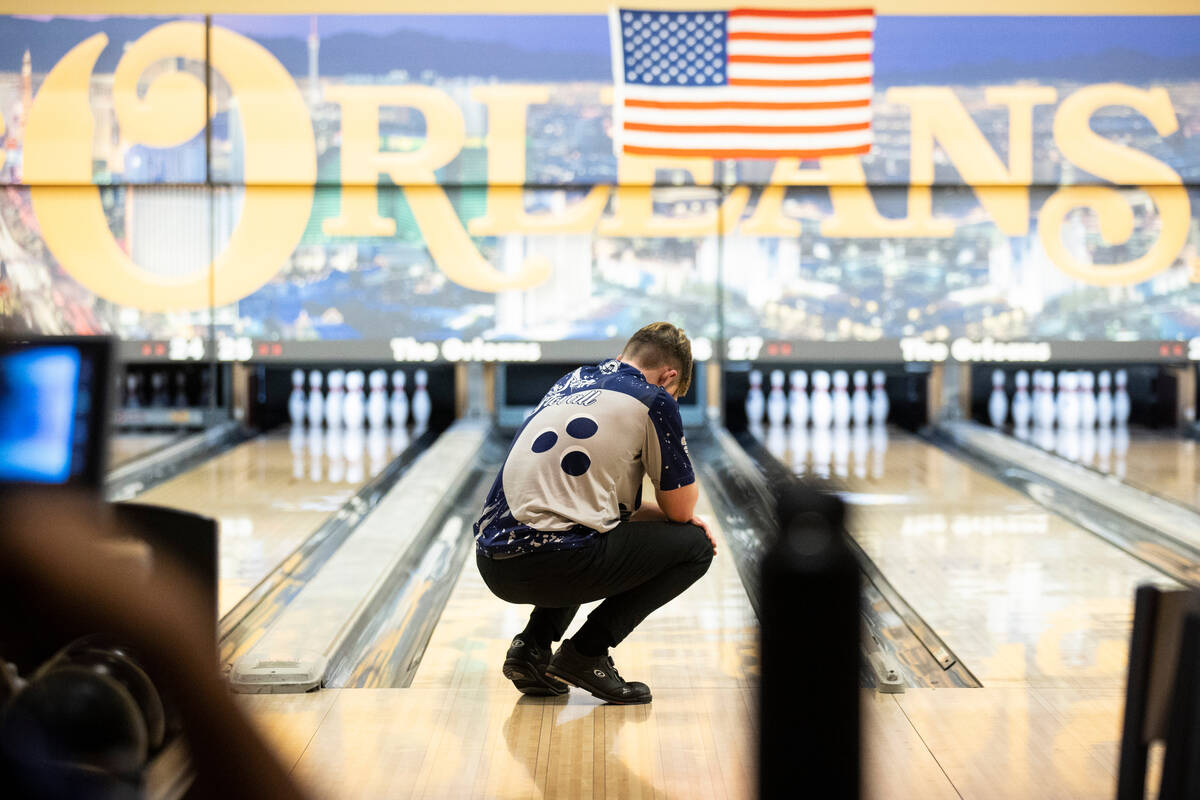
[1022,596]
[125,447]
[1164,464]
[1004,743]
[269,494]
[462,730]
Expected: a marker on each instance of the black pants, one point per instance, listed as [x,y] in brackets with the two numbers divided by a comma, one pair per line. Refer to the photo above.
[635,568]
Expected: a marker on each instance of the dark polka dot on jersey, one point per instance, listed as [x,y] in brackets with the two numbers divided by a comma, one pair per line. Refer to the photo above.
[576,463]
[582,427]
[545,441]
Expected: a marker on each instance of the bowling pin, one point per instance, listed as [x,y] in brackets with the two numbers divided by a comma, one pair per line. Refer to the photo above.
[860,401]
[181,399]
[377,399]
[998,401]
[132,390]
[316,400]
[880,405]
[1121,399]
[798,399]
[776,400]
[1060,398]
[421,407]
[398,406]
[1036,404]
[1087,400]
[841,399]
[1021,405]
[821,403]
[756,404]
[158,385]
[354,412]
[1048,405]
[1068,399]
[1104,400]
[336,398]
[296,399]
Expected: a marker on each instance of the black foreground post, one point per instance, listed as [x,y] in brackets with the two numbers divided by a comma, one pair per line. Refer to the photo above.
[809,699]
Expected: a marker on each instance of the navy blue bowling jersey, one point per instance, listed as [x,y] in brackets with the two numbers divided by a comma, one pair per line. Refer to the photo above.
[576,466]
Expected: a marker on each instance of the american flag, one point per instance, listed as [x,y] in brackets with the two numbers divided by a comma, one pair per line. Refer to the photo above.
[743,83]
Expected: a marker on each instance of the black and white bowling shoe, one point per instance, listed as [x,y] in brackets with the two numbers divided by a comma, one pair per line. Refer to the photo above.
[525,665]
[597,675]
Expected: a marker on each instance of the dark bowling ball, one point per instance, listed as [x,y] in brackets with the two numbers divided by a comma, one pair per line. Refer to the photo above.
[119,664]
[77,717]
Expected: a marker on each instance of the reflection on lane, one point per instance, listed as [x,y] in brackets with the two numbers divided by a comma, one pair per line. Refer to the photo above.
[1020,594]
[271,492]
[826,453]
[338,455]
[1164,464]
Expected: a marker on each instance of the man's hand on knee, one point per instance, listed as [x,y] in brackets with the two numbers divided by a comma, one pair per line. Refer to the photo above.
[699,522]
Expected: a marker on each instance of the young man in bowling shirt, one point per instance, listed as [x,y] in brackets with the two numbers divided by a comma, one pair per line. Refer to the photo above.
[565,523]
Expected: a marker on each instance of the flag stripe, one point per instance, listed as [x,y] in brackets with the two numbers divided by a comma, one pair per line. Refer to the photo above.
[741,104]
[804,13]
[817,82]
[841,58]
[799,72]
[748,141]
[768,129]
[764,36]
[841,47]
[753,94]
[783,25]
[637,150]
[756,117]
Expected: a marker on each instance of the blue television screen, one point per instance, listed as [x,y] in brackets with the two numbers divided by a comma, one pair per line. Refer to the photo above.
[45,398]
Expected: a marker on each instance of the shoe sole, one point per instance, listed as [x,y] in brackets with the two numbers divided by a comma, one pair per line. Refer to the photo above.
[616,700]
[528,680]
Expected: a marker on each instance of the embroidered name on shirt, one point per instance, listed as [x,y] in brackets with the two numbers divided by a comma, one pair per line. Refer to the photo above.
[577,399]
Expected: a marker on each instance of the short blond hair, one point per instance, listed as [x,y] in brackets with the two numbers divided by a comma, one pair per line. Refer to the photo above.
[661,344]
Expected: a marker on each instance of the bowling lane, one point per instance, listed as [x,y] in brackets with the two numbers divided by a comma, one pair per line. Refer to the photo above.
[1162,463]
[271,492]
[698,654]
[462,730]
[1022,596]
[125,447]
